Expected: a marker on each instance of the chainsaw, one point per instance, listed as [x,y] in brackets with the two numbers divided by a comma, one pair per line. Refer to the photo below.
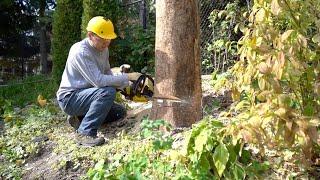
[140,90]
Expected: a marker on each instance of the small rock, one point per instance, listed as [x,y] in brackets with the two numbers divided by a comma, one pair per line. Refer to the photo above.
[1,158]
[69,165]
[39,139]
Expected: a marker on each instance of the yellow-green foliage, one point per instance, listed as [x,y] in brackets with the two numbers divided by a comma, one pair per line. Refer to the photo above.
[277,78]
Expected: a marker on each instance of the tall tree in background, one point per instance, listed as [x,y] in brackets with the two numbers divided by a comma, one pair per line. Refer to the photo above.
[42,10]
[66,30]
[178,86]
[43,38]
[24,25]
[16,20]
[16,43]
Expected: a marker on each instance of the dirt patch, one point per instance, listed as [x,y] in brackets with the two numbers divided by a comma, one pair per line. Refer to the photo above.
[43,165]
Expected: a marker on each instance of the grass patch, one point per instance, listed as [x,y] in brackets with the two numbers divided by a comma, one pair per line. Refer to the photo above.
[21,93]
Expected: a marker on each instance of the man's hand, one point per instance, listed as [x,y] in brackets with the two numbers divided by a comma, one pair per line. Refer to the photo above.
[125,68]
[133,76]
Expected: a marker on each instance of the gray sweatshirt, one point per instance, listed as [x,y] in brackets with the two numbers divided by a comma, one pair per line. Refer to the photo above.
[87,67]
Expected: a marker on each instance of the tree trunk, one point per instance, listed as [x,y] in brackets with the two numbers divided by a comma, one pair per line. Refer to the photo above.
[177,97]
[43,40]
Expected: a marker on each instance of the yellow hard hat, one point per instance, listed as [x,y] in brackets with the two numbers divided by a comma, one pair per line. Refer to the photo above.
[102,27]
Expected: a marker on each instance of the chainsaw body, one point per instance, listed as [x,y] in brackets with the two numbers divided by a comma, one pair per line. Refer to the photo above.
[141,90]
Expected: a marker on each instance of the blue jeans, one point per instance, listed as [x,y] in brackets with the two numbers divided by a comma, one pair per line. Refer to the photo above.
[92,103]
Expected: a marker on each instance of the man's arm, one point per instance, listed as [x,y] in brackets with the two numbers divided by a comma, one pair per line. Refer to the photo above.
[90,71]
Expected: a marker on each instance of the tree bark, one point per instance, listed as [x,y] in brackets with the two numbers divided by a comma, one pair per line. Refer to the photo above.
[177,96]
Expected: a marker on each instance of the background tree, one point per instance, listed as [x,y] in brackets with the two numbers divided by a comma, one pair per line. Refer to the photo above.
[43,49]
[24,27]
[16,40]
[44,21]
[13,24]
[66,31]
[42,9]
[178,86]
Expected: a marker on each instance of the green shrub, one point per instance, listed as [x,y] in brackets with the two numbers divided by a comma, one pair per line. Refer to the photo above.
[136,48]
[66,31]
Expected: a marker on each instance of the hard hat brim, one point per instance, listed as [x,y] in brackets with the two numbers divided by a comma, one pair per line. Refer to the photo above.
[109,36]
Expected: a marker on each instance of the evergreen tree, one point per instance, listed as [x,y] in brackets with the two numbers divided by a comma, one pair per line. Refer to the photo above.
[66,31]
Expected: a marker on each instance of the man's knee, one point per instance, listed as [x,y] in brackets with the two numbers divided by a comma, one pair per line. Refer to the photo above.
[108,92]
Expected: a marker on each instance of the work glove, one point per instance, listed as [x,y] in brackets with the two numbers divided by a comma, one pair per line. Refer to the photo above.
[133,76]
[125,68]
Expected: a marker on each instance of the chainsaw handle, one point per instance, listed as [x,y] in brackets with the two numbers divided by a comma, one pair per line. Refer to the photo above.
[123,92]
[142,79]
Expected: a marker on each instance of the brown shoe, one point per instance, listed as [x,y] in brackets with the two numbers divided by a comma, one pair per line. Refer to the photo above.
[90,141]
[73,121]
